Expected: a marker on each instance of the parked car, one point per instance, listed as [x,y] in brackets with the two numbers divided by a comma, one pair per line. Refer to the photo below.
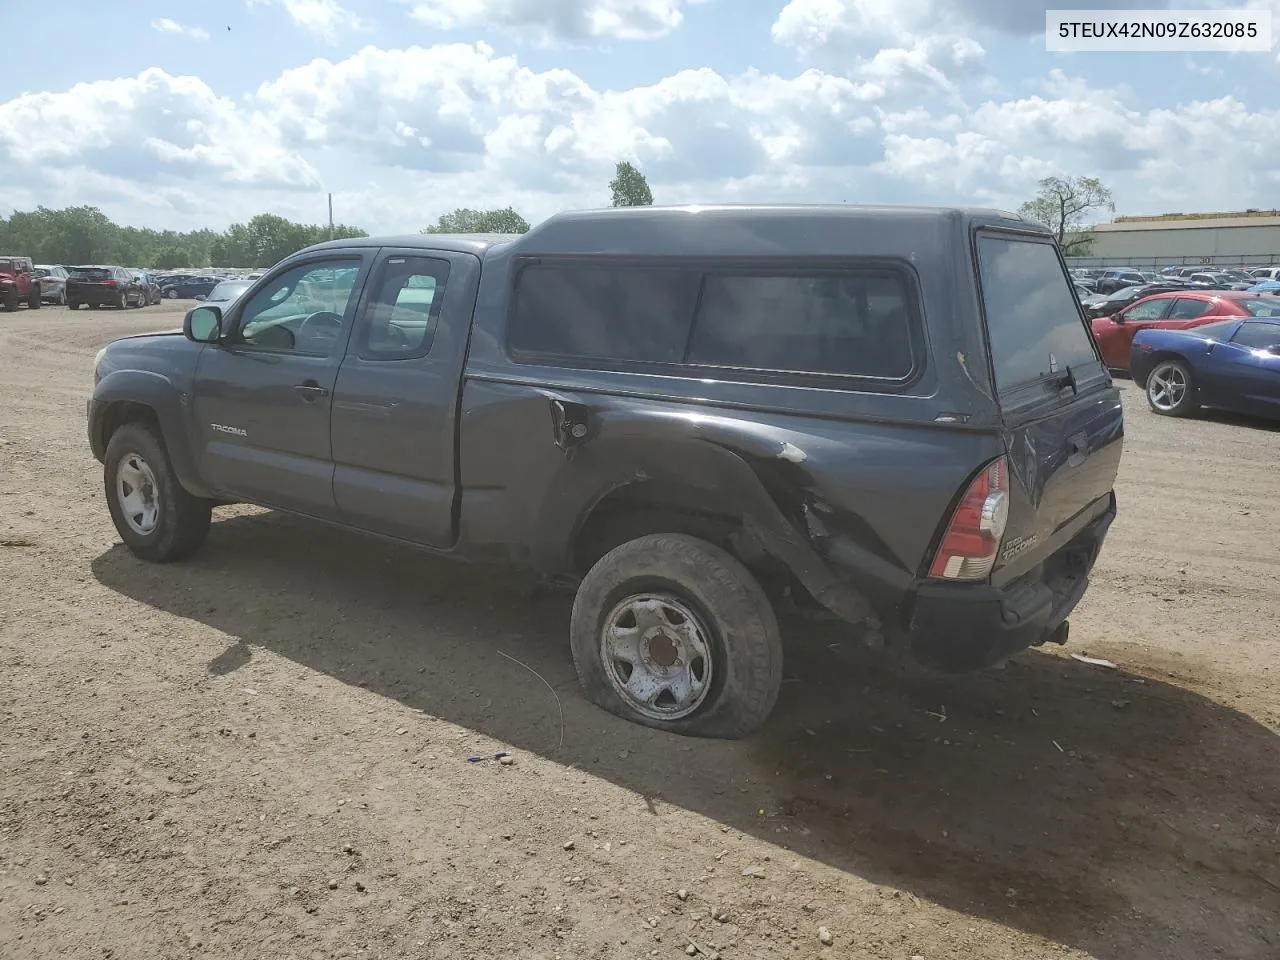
[99,286]
[1105,306]
[188,288]
[1164,311]
[1265,286]
[149,284]
[636,419]
[1232,364]
[53,283]
[1114,280]
[19,283]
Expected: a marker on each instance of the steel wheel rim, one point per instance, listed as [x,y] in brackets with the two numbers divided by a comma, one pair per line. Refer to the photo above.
[1167,386]
[657,655]
[136,494]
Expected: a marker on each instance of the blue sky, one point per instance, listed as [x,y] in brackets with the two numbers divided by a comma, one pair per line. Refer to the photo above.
[157,112]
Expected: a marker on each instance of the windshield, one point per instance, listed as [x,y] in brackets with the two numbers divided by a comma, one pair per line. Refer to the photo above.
[6,266]
[1125,293]
[228,290]
[1270,307]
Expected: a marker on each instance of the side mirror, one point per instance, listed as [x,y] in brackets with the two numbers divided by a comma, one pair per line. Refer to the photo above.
[203,325]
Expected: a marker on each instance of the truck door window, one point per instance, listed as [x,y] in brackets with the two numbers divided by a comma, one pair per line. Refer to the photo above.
[304,310]
[401,315]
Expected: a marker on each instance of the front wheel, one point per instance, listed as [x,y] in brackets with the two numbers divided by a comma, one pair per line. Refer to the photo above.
[10,302]
[1170,389]
[672,632]
[156,518]
[33,301]
[171,294]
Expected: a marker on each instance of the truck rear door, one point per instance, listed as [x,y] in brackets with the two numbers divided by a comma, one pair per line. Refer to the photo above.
[1063,423]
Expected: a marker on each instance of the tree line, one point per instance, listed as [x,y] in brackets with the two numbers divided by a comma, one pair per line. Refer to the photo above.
[85,235]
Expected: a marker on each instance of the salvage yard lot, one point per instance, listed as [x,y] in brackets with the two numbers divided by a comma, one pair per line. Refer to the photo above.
[262,752]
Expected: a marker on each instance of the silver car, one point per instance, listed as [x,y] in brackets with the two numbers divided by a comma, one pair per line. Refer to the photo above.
[53,283]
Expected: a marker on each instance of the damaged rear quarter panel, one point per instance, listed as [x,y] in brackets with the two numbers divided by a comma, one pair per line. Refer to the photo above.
[832,488]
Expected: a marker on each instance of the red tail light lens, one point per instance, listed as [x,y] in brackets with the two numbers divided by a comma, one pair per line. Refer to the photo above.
[972,541]
[109,283]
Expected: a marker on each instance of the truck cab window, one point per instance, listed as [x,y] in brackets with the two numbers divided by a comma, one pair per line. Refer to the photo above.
[401,317]
[304,310]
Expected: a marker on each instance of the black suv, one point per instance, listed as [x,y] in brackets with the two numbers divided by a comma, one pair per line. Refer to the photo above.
[104,286]
[895,416]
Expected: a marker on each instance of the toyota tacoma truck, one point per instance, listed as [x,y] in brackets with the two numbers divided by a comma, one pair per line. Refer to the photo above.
[892,416]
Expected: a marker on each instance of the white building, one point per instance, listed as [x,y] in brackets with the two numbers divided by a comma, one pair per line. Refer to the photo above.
[1249,238]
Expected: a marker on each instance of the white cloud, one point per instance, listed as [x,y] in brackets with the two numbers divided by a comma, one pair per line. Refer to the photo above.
[172,27]
[150,126]
[459,106]
[1214,150]
[327,19]
[403,135]
[550,21]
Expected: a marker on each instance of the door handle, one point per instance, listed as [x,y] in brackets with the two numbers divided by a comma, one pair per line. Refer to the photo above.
[310,391]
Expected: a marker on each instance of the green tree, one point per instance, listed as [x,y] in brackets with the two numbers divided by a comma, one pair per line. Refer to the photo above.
[630,188]
[466,220]
[79,235]
[1064,204]
[171,257]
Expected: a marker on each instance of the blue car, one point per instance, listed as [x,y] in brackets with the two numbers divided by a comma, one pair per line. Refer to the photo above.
[188,288]
[1231,364]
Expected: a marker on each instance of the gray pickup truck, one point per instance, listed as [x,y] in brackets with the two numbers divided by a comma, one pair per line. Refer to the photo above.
[892,416]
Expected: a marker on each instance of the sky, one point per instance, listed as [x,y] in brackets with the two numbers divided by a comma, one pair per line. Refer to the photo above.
[169,116]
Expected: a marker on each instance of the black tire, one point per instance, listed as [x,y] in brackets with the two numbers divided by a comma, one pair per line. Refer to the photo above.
[11,302]
[1161,385]
[72,305]
[182,521]
[123,301]
[171,294]
[34,302]
[744,639]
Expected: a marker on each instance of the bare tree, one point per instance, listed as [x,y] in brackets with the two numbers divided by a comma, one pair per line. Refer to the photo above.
[1063,204]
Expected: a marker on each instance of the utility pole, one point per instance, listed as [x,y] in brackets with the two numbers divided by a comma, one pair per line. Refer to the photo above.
[331,216]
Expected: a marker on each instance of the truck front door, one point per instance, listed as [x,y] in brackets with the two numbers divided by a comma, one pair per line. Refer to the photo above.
[396,400]
[263,397]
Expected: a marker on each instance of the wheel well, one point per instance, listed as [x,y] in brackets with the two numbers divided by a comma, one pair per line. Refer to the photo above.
[651,506]
[127,411]
[647,507]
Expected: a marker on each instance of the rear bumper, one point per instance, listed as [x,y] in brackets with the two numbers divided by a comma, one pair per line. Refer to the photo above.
[957,629]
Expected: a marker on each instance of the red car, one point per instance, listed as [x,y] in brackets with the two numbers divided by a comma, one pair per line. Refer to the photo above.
[1163,311]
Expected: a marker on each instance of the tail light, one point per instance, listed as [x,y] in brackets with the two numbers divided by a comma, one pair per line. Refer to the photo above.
[968,550]
[108,283]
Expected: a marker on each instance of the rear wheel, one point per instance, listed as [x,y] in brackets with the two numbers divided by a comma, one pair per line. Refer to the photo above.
[72,305]
[156,518]
[1170,389]
[122,301]
[33,301]
[171,293]
[672,632]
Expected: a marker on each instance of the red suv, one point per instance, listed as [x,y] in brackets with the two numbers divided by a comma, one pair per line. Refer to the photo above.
[18,283]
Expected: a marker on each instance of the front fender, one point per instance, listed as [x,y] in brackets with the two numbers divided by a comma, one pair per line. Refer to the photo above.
[158,394]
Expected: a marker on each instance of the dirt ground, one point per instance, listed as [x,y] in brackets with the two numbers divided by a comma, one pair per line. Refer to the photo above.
[262,752]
